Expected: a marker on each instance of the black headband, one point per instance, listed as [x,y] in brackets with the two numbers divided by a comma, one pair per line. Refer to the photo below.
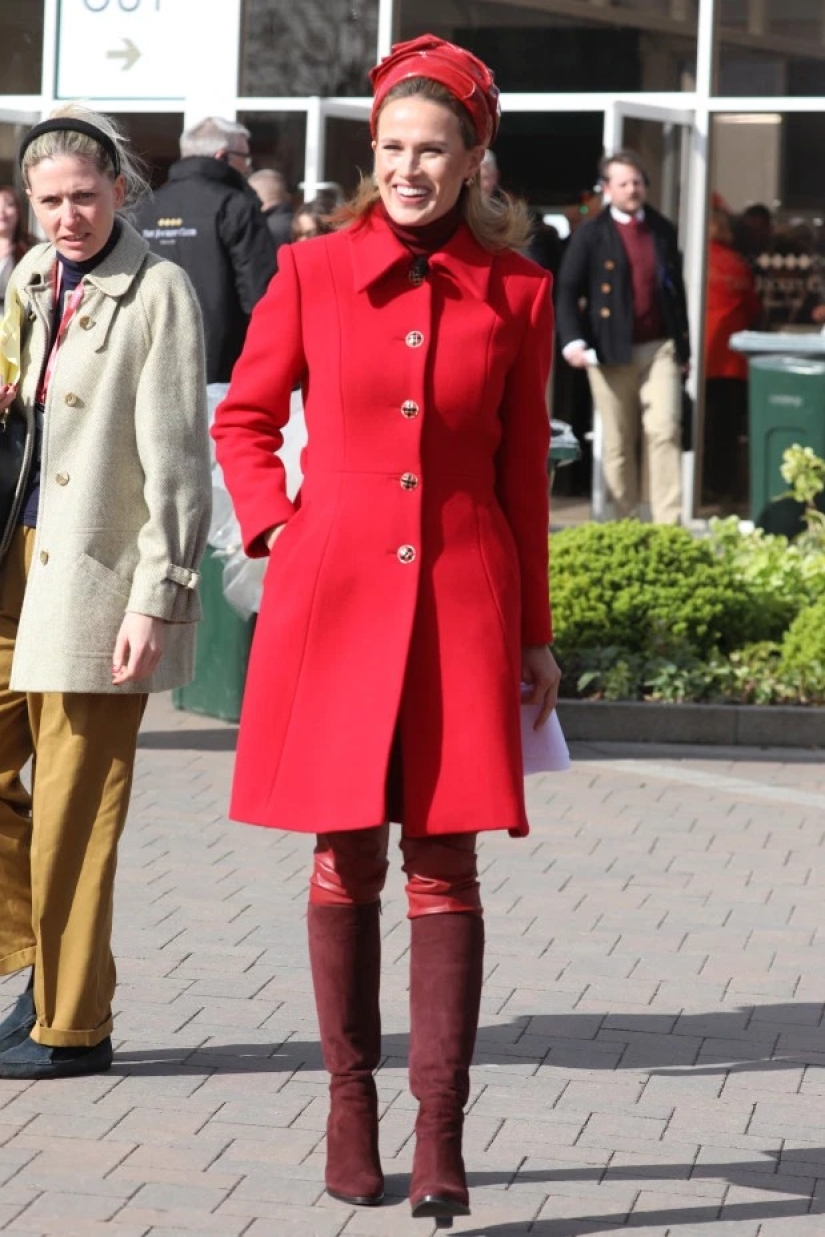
[61,123]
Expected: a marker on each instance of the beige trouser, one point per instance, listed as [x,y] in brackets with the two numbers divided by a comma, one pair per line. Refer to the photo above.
[644,396]
[58,850]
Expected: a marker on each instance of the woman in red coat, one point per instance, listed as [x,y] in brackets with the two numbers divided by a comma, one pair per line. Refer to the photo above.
[406,594]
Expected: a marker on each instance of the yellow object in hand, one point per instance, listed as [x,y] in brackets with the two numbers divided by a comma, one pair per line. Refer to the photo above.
[10,342]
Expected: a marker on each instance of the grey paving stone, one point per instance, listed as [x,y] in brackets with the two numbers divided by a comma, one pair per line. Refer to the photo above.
[652,1040]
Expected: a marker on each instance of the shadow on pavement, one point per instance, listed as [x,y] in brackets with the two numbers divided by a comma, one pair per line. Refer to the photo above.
[662,1217]
[749,1038]
[212,740]
[584,750]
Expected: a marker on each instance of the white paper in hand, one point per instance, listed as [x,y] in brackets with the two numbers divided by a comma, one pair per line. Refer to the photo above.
[543,750]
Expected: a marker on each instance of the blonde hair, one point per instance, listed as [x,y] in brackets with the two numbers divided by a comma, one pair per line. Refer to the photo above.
[69,142]
[496,223]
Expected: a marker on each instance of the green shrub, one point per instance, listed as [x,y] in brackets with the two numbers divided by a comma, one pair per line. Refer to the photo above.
[783,577]
[803,652]
[648,589]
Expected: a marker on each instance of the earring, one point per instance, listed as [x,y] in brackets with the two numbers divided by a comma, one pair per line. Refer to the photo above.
[470,181]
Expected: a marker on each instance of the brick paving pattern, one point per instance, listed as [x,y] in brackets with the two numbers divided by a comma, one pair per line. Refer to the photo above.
[651,1055]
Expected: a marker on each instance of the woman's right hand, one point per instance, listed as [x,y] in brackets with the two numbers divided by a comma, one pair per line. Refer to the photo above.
[272,536]
[7,394]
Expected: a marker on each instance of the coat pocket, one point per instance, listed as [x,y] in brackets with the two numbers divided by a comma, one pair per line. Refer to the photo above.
[96,602]
[105,576]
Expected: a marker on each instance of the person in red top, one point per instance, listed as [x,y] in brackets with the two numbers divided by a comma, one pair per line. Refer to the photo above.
[732,305]
[406,594]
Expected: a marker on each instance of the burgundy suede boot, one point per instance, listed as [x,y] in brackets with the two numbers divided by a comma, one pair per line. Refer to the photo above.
[345,956]
[446,960]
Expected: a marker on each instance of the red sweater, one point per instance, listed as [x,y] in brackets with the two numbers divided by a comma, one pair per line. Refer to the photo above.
[648,322]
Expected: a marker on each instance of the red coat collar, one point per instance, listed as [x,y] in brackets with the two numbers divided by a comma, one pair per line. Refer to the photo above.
[376,250]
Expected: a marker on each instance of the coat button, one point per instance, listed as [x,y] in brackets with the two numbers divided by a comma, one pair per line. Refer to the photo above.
[44,557]
[62,478]
[414,339]
[71,399]
[410,408]
[406,554]
[604,313]
[85,322]
[609,264]
[606,287]
[409,481]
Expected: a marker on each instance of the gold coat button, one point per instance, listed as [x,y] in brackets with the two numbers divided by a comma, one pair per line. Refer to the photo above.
[414,339]
[62,478]
[44,557]
[609,264]
[604,313]
[406,554]
[71,399]
[85,322]
[410,408]
[409,481]
[606,287]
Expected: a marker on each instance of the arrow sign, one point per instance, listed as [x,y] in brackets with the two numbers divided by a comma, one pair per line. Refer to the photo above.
[122,49]
[129,54]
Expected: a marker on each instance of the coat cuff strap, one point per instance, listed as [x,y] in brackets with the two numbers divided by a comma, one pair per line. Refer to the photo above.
[183,575]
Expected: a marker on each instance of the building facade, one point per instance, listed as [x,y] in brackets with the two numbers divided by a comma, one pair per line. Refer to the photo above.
[724,96]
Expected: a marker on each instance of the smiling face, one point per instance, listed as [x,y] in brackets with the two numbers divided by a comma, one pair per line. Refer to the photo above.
[421,161]
[75,204]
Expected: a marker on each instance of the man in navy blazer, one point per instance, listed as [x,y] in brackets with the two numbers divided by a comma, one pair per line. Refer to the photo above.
[622,316]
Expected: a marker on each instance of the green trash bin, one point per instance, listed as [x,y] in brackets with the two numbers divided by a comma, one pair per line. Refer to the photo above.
[221,651]
[786,405]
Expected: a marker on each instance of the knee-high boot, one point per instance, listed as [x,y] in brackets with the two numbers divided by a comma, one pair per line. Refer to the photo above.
[345,956]
[446,961]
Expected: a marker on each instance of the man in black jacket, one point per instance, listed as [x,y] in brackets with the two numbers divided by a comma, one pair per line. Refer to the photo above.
[208,220]
[621,314]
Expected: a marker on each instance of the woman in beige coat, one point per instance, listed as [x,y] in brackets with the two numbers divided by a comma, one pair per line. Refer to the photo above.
[98,580]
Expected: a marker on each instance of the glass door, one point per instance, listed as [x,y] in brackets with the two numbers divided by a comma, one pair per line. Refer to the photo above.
[661,134]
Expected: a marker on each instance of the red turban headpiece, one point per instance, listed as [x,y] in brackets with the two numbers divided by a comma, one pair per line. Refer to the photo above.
[463,74]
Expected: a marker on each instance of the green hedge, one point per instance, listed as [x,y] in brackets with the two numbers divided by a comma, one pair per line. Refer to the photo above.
[643,611]
[647,588]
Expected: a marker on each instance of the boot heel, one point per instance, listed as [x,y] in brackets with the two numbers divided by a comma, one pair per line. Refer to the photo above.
[439,1207]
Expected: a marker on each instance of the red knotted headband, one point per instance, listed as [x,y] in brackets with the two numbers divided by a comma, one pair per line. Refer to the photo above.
[463,74]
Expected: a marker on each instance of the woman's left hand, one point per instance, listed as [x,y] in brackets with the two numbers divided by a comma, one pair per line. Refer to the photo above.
[138,648]
[539,668]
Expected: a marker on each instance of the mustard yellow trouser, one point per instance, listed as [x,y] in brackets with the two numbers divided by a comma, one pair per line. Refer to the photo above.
[58,848]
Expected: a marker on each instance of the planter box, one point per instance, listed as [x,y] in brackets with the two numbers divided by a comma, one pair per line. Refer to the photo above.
[727,725]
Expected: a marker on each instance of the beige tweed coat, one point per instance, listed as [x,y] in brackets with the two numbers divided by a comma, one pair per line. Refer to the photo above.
[125,474]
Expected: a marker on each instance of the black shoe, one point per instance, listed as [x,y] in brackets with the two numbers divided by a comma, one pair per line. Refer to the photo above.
[18,1022]
[35,1061]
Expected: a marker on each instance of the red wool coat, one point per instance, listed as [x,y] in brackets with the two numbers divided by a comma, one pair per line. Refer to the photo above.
[414,565]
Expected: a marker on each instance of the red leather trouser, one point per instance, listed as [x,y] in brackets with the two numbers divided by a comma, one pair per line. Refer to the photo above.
[350,868]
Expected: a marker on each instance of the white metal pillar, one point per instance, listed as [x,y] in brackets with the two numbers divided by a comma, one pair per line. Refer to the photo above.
[210,68]
[386,26]
[698,201]
[612,135]
[315,147]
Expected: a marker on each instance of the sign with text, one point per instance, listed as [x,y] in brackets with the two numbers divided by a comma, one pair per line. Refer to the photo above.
[122,49]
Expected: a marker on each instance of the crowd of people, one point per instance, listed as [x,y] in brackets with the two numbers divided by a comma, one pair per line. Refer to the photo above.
[225,224]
